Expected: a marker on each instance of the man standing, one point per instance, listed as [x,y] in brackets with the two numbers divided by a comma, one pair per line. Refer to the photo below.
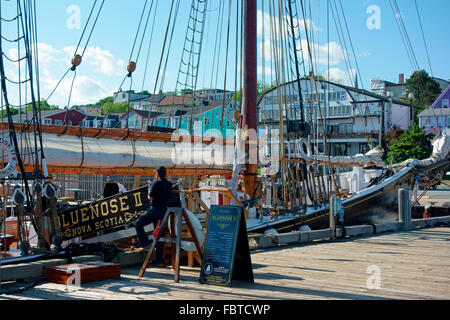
[159,195]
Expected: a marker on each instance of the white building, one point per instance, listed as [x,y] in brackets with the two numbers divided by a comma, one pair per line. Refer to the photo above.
[352,116]
[399,89]
[214,94]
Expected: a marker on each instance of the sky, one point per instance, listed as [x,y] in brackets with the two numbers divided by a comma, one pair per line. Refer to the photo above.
[376,39]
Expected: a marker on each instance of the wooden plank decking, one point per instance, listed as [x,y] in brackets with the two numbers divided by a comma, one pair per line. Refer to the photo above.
[412,265]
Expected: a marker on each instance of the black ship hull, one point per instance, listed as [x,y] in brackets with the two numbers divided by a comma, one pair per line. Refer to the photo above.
[374,205]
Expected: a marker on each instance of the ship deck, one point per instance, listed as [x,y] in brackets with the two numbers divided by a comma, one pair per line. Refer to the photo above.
[412,265]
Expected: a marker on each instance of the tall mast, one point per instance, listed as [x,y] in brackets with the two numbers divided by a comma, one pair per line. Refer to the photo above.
[249,99]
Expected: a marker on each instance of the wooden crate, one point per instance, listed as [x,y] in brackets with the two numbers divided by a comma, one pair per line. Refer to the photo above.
[88,271]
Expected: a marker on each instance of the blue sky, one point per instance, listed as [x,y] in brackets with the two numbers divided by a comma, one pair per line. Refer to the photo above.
[380,52]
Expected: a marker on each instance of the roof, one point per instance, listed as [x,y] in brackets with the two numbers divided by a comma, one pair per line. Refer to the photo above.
[347,88]
[435,112]
[197,110]
[142,113]
[175,100]
[441,96]
[44,114]
[87,106]
[440,79]
[109,116]
[153,98]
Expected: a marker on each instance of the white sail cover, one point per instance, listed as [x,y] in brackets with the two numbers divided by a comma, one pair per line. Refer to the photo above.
[106,153]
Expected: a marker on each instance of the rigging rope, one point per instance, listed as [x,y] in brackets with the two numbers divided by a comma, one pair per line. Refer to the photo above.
[423,36]
[77,59]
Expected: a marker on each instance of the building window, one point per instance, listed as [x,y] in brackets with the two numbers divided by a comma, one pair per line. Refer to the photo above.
[448,122]
[340,95]
[58,122]
[346,128]
[445,103]
[340,149]
[339,111]
[364,148]
[441,122]
[433,122]
[47,121]
[425,122]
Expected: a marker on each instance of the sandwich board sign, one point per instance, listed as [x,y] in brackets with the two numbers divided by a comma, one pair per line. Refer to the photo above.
[227,255]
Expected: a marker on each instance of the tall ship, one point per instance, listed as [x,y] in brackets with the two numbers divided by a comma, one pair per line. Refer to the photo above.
[277,170]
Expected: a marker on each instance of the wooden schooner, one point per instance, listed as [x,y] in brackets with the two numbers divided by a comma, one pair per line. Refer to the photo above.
[297,195]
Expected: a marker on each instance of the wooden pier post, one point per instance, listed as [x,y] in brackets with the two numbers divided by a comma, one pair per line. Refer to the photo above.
[332,219]
[404,209]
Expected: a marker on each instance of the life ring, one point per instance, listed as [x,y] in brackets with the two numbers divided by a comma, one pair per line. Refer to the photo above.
[198,228]
[18,197]
[11,167]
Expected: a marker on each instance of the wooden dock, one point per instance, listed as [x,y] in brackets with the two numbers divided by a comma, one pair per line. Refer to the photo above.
[401,265]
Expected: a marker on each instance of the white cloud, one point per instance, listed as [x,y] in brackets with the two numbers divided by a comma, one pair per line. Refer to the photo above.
[267,70]
[265,18]
[85,89]
[102,61]
[98,67]
[47,53]
[340,76]
[320,52]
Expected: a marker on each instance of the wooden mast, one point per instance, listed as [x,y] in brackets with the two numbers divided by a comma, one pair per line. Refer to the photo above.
[249,99]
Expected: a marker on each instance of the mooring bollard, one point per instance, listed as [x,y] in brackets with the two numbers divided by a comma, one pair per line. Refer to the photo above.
[404,209]
[332,219]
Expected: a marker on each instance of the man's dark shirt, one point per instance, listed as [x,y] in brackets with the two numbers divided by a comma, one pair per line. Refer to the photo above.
[160,193]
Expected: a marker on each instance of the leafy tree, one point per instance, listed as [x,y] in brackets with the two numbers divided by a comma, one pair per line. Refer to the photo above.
[389,138]
[110,107]
[104,101]
[424,88]
[13,111]
[185,91]
[260,91]
[411,144]
[44,106]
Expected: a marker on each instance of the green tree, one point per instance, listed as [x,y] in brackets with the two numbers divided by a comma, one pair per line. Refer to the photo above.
[185,91]
[411,144]
[110,107]
[105,101]
[13,111]
[260,91]
[424,88]
[44,106]
[389,138]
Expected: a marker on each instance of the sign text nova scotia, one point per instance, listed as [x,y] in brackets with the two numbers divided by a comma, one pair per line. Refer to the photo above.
[113,212]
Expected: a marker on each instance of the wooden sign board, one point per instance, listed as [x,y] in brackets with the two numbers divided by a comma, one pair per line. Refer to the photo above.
[226,255]
[106,214]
